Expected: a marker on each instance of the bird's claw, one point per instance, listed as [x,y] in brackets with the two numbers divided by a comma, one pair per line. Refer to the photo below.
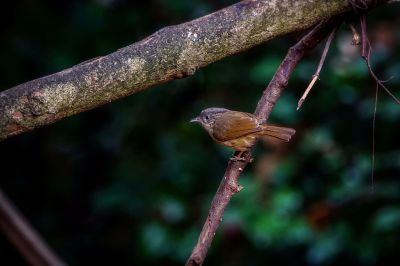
[239,158]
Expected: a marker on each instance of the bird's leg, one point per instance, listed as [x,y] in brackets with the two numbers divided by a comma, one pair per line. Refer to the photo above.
[237,157]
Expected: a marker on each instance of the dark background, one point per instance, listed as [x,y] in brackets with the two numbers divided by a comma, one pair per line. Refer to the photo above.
[130,183]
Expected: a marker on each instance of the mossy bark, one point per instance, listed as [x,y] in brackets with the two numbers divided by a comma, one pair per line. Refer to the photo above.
[171,53]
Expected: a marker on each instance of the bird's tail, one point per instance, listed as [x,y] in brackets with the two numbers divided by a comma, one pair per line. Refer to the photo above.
[282,133]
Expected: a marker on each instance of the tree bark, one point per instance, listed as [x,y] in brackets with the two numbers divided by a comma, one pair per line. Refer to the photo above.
[171,53]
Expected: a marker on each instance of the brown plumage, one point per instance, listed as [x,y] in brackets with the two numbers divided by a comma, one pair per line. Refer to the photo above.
[238,130]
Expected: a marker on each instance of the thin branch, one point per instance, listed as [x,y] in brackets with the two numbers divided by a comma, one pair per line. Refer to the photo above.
[360,7]
[321,63]
[24,237]
[229,185]
[373,138]
[366,51]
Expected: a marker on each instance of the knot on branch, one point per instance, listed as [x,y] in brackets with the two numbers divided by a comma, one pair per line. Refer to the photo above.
[233,184]
[362,6]
[186,73]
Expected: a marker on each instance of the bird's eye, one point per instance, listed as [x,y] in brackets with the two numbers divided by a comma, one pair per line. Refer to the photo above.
[206,118]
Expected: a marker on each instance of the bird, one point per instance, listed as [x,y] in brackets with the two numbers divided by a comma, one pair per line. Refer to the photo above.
[238,130]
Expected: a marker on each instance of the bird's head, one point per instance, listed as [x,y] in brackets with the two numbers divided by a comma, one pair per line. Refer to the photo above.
[208,116]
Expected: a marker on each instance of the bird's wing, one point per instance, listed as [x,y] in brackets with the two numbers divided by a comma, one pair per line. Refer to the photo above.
[232,125]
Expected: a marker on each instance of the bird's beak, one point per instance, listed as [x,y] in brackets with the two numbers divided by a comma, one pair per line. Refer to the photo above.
[195,120]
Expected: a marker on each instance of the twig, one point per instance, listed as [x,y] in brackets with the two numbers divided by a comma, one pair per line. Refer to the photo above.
[229,185]
[366,55]
[321,63]
[24,237]
[366,51]
[373,138]
[360,7]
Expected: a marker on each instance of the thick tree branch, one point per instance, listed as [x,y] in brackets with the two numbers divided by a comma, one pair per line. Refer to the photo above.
[24,237]
[171,53]
[229,185]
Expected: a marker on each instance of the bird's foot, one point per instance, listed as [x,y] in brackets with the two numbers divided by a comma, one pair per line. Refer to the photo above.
[238,157]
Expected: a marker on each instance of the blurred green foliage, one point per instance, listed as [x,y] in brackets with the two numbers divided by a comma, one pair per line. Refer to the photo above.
[130,183]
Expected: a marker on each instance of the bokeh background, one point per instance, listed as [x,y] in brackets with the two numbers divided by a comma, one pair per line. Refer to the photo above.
[130,183]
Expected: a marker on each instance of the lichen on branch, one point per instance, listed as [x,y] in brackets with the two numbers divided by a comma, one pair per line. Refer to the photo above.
[171,53]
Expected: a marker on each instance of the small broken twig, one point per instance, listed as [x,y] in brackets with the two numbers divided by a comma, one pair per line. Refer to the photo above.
[356,39]
[321,63]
